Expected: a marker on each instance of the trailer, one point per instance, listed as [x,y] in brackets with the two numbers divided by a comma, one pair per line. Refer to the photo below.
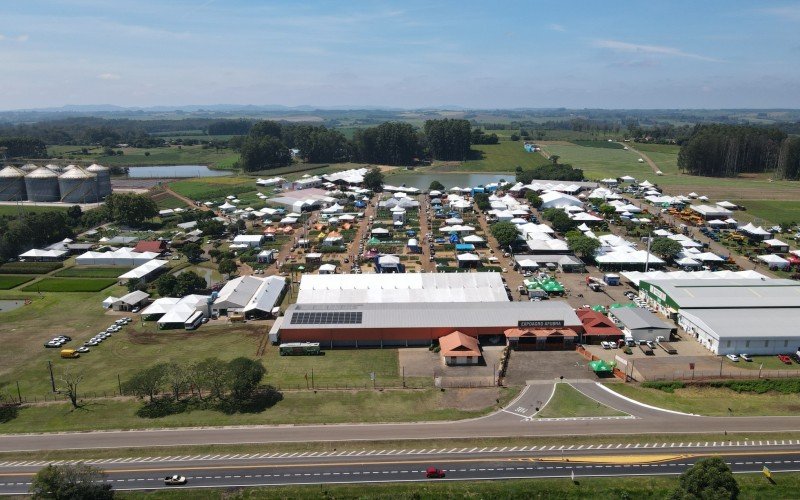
[667,347]
[300,349]
[646,349]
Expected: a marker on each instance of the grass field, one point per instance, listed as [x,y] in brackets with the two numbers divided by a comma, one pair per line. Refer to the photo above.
[171,155]
[503,157]
[769,362]
[91,272]
[14,210]
[714,402]
[213,187]
[752,486]
[8,281]
[774,211]
[166,200]
[69,285]
[568,402]
[598,163]
[598,144]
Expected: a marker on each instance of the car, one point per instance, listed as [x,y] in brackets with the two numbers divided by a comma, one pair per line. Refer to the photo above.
[175,480]
[65,337]
[607,345]
[111,329]
[204,321]
[785,359]
[91,343]
[82,349]
[746,357]
[119,322]
[651,344]
[52,344]
[733,358]
[135,310]
[434,473]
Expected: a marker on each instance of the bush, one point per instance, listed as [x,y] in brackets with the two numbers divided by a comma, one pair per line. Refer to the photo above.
[664,386]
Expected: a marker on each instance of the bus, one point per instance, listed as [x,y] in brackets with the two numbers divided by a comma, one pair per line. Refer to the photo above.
[300,349]
[194,321]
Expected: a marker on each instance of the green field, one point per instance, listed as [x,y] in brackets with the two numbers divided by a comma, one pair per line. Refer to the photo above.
[69,285]
[169,155]
[568,402]
[213,187]
[598,163]
[166,200]
[92,272]
[751,486]
[713,401]
[598,144]
[774,211]
[29,267]
[503,157]
[16,210]
[8,282]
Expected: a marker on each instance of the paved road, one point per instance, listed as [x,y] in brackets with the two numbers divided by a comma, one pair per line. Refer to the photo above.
[510,422]
[379,469]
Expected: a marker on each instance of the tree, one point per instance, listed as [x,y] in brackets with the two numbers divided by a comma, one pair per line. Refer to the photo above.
[69,482]
[211,227]
[514,137]
[505,233]
[665,248]
[135,284]
[165,285]
[187,283]
[554,159]
[246,375]
[561,221]
[708,479]
[482,201]
[533,199]
[211,374]
[448,139]
[227,266]
[177,378]
[265,128]
[264,153]
[583,246]
[192,251]
[436,186]
[68,384]
[390,143]
[131,209]
[373,180]
[607,210]
[147,382]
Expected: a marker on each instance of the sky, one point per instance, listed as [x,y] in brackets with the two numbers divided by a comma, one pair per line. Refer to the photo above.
[407,54]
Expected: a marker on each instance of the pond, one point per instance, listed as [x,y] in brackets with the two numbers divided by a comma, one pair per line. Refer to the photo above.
[423,180]
[171,171]
[10,305]
[203,272]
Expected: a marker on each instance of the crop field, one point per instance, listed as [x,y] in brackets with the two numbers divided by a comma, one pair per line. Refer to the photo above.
[8,282]
[170,155]
[92,272]
[771,210]
[598,144]
[213,187]
[598,163]
[166,200]
[503,157]
[69,285]
[29,267]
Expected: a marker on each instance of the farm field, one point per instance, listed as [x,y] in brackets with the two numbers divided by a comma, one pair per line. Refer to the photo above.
[8,282]
[213,187]
[771,210]
[503,157]
[29,267]
[69,285]
[169,155]
[165,201]
[598,163]
[598,144]
[92,272]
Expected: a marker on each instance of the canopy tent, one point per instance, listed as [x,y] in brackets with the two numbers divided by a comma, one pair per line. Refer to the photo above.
[599,366]
[773,260]
[528,264]
[617,305]
[473,238]
[599,308]
[327,269]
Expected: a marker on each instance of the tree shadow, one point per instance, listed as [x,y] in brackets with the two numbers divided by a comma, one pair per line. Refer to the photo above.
[475,154]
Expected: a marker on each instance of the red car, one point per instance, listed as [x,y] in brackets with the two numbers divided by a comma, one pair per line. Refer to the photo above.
[435,473]
[785,359]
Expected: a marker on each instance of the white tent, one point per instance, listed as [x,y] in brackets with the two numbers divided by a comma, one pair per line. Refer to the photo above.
[555,199]
[227,207]
[473,238]
[627,178]
[388,261]
[528,263]
[333,209]
[687,262]
[327,269]
[468,257]
[773,260]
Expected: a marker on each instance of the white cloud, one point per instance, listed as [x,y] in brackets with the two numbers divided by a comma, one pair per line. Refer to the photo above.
[556,27]
[618,46]
[108,76]
[788,12]
[18,38]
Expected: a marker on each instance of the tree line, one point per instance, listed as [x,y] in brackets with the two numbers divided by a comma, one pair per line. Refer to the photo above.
[29,147]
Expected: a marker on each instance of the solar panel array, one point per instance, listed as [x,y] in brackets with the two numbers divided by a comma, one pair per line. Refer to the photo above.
[326,318]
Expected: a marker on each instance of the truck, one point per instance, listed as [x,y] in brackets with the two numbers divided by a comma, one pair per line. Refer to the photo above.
[300,349]
[70,353]
[646,349]
[667,347]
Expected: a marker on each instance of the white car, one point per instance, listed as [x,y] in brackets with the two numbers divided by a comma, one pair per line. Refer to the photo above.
[175,480]
[607,345]
[746,357]
[733,357]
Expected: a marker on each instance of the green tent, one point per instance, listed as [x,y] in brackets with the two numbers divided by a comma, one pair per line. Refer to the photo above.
[617,305]
[600,366]
[599,308]
[551,286]
[374,241]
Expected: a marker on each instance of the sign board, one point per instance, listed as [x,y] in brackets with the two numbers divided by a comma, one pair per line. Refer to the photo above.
[534,323]
[691,366]
[620,360]
[767,472]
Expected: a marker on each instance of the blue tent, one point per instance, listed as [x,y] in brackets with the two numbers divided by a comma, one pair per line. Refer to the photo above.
[465,247]
[360,204]
[453,238]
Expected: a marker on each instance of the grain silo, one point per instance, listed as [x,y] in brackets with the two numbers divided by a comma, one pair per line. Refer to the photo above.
[54,168]
[42,185]
[78,186]
[12,184]
[69,167]
[29,167]
[103,179]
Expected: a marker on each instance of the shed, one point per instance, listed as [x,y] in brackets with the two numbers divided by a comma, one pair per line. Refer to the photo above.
[460,349]
[131,301]
[642,324]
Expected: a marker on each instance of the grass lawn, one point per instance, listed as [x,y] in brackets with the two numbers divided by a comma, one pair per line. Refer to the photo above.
[598,163]
[305,407]
[714,402]
[769,362]
[14,210]
[751,486]
[166,200]
[502,157]
[568,402]
[8,282]
[29,267]
[213,187]
[92,272]
[170,155]
[69,285]
[598,144]
[775,211]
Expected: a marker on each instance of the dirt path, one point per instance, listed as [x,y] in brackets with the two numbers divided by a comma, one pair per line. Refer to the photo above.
[644,157]
[185,199]
[422,237]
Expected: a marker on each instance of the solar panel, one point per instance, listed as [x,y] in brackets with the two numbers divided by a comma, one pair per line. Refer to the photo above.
[326,318]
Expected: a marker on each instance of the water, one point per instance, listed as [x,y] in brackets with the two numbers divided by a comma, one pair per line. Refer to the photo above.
[423,181]
[170,171]
[10,305]
[203,272]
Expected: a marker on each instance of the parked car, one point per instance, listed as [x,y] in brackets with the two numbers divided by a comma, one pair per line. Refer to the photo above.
[175,480]
[434,473]
[733,358]
[785,359]
[746,357]
[82,349]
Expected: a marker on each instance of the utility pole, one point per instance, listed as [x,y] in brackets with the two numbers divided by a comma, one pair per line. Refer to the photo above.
[52,379]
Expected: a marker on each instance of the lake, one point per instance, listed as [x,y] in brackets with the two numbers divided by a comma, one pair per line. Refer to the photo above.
[10,305]
[170,171]
[423,181]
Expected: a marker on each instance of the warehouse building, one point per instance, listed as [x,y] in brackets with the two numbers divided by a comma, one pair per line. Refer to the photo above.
[732,316]
[255,297]
[380,324]
[641,324]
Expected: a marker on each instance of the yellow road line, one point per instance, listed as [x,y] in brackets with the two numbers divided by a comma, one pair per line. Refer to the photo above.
[615,459]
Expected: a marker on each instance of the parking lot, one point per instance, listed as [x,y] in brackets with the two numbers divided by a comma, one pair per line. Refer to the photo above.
[545,365]
[420,362]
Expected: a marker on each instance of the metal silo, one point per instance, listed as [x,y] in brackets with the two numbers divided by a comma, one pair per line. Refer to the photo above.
[69,167]
[103,179]
[12,184]
[42,185]
[29,167]
[78,186]
[54,168]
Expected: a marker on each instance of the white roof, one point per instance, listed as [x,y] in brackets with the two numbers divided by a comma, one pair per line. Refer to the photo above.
[327,267]
[118,257]
[773,260]
[726,204]
[249,292]
[556,199]
[380,230]
[619,256]
[144,269]
[687,261]
[397,288]
[548,245]
[134,297]
[528,263]
[227,206]
[755,230]
[457,228]
[36,253]
[388,260]
[267,294]
[468,257]
[473,238]
[248,238]
[583,216]
[775,243]
[635,276]
[183,309]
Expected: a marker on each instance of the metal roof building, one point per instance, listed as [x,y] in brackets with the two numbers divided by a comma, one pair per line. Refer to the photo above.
[404,287]
[723,294]
[751,331]
[250,294]
[416,323]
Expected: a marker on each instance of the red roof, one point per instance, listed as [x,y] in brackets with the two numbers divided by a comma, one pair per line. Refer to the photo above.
[150,246]
[596,323]
[457,344]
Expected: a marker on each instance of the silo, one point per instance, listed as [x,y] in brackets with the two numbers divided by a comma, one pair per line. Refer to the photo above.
[103,179]
[54,168]
[12,184]
[42,185]
[29,167]
[78,186]
[69,167]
